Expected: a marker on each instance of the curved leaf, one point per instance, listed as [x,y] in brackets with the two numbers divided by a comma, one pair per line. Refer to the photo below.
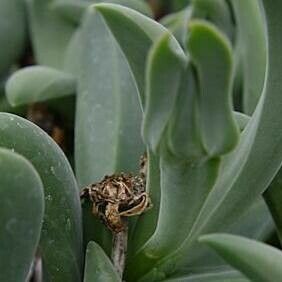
[166,63]
[250,36]
[212,55]
[108,117]
[34,84]
[256,223]
[215,276]
[183,184]
[13,32]
[257,261]
[61,242]
[21,215]
[217,12]
[186,182]
[273,198]
[183,130]
[135,34]
[73,10]
[179,4]
[241,119]
[98,267]
[246,172]
[107,108]
[177,23]
[50,33]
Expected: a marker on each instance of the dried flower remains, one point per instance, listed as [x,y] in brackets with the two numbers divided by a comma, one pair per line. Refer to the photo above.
[118,196]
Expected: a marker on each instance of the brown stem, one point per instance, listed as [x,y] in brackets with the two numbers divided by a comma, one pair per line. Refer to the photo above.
[119,250]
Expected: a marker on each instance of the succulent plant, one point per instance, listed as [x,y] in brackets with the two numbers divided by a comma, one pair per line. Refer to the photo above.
[195,95]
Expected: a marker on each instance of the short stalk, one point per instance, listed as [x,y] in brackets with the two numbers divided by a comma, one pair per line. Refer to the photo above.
[119,250]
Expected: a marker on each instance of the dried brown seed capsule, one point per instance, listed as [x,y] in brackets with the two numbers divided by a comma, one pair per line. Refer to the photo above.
[117,196]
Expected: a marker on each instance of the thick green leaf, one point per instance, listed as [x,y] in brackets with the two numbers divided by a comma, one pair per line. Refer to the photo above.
[186,180]
[135,34]
[249,169]
[73,53]
[108,117]
[108,113]
[98,267]
[21,215]
[250,37]
[217,12]
[74,10]
[50,33]
[183,184]
[179,4]
[246,172]
[71,10]
[12,32]
[241,119]
[213,276]
[34,84]
[6,107]
[183,130]
[61,241]
[177,23]
[4,104]
[212,55]
[273,198]
[256,260]
[256,223]
[166,63]
[139,5]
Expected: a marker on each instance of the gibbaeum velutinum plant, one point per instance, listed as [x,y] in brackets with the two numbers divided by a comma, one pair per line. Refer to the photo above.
[177,122]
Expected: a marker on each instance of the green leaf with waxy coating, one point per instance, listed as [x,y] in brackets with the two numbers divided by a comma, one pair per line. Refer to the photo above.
[38,83]
[50,33]
[108,117]
[98,267]
[250,50]
[249,169]
[211,276]
[256,223]
[74,10]
[61,236]
[258,261]
[13,32]
[273,198]
[178,4]
[135,34]
[217,12]
[21,215]
[6,107]
[184,188]
[177,23]
[211,54]
[166,63]
[183,133]
[107,108]
[137,5]
[241,119]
